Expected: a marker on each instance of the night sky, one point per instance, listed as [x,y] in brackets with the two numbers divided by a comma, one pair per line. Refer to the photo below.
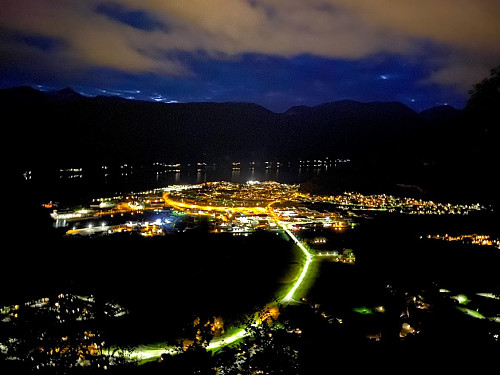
[277,53]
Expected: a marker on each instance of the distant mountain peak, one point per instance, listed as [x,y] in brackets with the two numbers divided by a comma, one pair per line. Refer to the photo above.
[441,108]
[67,93]
[297,110]
[348,107]
[440,113]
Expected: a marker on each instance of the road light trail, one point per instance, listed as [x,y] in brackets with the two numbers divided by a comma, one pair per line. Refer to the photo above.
[147,353]
[220,342]
[223,341]
[309,257]
[208,208]
[303,274]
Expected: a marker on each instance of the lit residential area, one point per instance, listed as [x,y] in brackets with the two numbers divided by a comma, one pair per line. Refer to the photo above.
[75,337]
[404,205]
[234,207]
[472,239]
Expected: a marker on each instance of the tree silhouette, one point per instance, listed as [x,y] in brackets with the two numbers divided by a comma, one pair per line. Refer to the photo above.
[485,95]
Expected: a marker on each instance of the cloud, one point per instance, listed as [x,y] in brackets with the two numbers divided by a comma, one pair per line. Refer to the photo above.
[468,33]
[460,23]
[95,33]
[90,38]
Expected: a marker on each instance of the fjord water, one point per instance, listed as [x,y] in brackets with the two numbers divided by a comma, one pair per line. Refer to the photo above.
[94,182]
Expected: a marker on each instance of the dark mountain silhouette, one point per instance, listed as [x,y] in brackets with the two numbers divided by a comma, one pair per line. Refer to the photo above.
[349,127]
[66,94]
[441,113]
[69,128]
[387,141]
[79,128]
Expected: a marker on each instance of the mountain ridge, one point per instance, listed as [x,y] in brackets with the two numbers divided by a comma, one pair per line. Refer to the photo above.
[114,128]
[68,90]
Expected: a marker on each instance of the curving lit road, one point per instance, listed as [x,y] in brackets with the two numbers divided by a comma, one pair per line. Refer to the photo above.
[241,210]
[303,274]
[148,353]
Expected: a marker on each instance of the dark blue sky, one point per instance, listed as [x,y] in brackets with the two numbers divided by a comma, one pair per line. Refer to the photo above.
[275,53]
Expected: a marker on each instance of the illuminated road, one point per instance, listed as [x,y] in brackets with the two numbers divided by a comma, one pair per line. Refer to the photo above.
[303,274]
[246,210]
[148,353]
[195,207]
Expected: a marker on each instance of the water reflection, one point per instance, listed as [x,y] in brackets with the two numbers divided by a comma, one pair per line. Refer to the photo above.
[109,180]
[235,174]
[201,177]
